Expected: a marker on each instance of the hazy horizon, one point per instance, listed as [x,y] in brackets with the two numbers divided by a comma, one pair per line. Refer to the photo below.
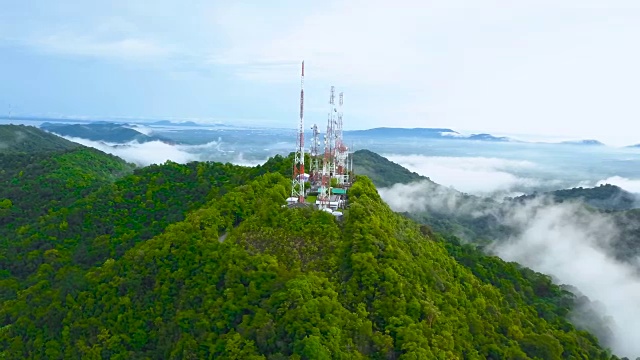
[36,120]
[486,168]
[531,67]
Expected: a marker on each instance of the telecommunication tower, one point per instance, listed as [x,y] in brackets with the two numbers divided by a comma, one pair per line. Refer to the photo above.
[341,150]
[328,159]
[297,183]
[315,153]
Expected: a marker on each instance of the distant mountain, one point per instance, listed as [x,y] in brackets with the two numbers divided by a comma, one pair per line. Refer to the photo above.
[589,142]
[102,131]
[403,132]
[487,137]
[449,134]
[171,123]
[428,133]
[603,197]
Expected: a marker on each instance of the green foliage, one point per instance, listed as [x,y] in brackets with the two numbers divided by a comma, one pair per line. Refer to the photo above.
[104,131]
[605,197]
[381,171]
[202,261]
[277,164]
[22,139]
[37,183]
[111,220]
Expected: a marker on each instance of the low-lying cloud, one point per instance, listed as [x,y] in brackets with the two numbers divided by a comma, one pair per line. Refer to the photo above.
[567,241]
[475,175]
[146,130]
[452,134]
[158,152]
[570,243]
[142,154]
[425,195]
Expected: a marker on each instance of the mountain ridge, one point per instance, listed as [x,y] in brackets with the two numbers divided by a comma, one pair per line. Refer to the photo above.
[29,139]
[604,197]
[42,172]
[283,283]
[415,132]
[588,142]
[103,131]
[292,287]
[426,133]
[382,171]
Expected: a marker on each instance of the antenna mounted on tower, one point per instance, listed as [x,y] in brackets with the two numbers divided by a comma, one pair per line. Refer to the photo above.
[297,183]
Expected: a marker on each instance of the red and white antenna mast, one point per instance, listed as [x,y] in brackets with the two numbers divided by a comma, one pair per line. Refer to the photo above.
[341,148]
[297,184]
[315,153]
[327,162]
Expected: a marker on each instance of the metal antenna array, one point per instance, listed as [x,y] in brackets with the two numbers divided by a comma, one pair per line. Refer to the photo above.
[327,161]
[297,184]
[315,152]
[337,162]
[341,150]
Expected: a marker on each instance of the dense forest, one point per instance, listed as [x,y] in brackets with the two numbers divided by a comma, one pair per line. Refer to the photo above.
[102,131]
[34,183]
[201,260]
[381,171]
[604,197]
[20,139]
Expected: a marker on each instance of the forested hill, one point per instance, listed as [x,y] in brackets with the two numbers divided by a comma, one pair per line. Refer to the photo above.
[42,172]
[434,204]
[605,197]
[20,139]
[202,261]
[102,131]
[382,171]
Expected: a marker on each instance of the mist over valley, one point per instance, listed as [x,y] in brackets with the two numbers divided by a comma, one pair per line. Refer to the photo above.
[482,167]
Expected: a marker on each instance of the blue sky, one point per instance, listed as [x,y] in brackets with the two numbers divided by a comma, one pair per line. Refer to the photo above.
[543,67]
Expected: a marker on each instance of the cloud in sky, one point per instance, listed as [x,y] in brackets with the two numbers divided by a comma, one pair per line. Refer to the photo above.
[122,49]
[535,66]
[529,66]
[142,154]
